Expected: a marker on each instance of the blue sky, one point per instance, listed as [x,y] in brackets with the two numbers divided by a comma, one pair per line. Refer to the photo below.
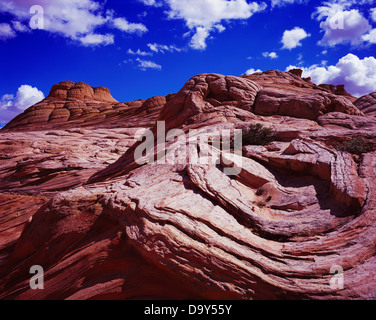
[142,48]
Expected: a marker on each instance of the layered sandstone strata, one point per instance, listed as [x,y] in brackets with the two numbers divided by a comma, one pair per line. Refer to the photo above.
[103,226]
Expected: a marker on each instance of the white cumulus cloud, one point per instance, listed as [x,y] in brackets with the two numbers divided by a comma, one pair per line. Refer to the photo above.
[203,17]
[271,55]
[11,105]
[6,32]
[341,26]
[373,13]
[252,71]
[370,37]
[198,41]
[97,39]
[74,19]
[292,38]
[358,75]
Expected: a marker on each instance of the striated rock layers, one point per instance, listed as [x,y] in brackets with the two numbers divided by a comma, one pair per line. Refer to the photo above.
[367,104]
[103,226]
[72,104]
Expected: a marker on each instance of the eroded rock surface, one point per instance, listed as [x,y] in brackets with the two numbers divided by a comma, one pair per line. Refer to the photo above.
[72,104]
[76,202]
[367,104]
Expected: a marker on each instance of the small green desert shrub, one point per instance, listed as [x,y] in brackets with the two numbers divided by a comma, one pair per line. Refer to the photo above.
[258,135]
[357,145]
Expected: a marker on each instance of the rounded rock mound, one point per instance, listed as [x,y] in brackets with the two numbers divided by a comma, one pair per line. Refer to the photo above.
[71,104]
[79,90]
[367,104]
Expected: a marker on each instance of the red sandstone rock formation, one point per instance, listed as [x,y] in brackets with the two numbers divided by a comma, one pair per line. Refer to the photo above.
[367,104]
[79,105]
[74,200]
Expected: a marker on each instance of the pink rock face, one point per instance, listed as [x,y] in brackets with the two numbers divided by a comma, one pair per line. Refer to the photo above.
[72,104]
[297,72]
[80,90]
[293,82]
[74,201]
[210,99]
[367,104]
[307,106]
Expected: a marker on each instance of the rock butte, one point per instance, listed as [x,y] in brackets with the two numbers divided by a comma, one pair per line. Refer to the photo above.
[72,105]
[73,200]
